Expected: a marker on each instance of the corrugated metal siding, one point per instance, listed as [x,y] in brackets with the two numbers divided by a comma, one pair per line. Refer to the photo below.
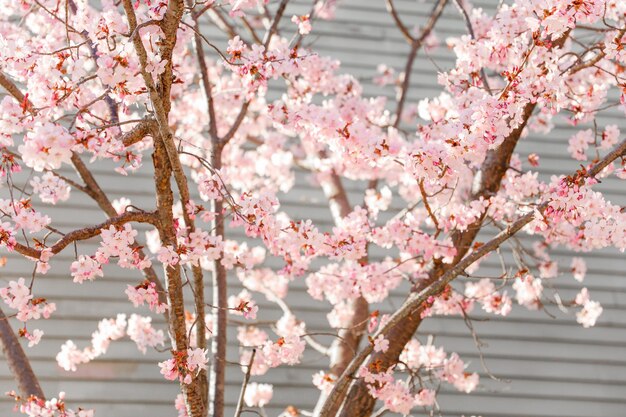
[547,366]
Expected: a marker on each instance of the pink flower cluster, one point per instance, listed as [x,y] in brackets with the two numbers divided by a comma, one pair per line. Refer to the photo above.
[450,369]
[484,291]
[184,365]
[24,216]
[146,293]
[242,304]
[86,268]
[590,311]
[138,328]
[55,407]
[258,395]
[47,146]
[396,395]
[50,188]
[117,242]
[19,297]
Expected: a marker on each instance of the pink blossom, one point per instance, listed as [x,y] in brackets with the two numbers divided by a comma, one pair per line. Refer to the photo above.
[466,382]
[324,381]
[304,24]
[169,369]
[196,359]
[117,242]
[121,204]
[381,344]
[251,336]
[528,291]
[167,256]
[7,236]
[30,220]
[287,350]
[589,314]
[579,268]
[591,310]
[425,398]
[85,268]
[50,188]
[210,187]
[610,137]
[156,66]
[33,338]
[108,330]
[47,147]
[258,395]
[146,293]
[385,75]
[579,143]
[180,406]
[141,332]
[548,269]
[54,407]
[70,356]
[243,304]
[189,362]
[16,295]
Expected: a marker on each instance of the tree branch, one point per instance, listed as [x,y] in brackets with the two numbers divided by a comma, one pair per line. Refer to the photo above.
[470,29]
[138,132]
[416,44]
[89,232]
[274,26]
[160,97]
[396,18]
[593,61]
[487,182]
[233,129]
[17,361]
[204,76]
[219,341]
[11,88]
[91,188]
[244,385]
[411,308]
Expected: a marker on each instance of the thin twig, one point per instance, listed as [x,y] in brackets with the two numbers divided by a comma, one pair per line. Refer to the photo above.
[244,385]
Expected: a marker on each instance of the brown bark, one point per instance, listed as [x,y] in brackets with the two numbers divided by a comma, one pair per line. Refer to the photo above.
[138,132]
[18,363]
[12,89]
[213,388]
[217,382]
[167,233]
[160,98]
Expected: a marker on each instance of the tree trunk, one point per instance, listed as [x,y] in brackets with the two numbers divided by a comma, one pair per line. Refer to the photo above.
[167,234]
[217,383]
[18,363]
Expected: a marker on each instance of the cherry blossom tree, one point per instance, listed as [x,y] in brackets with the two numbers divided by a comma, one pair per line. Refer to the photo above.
[140,85]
